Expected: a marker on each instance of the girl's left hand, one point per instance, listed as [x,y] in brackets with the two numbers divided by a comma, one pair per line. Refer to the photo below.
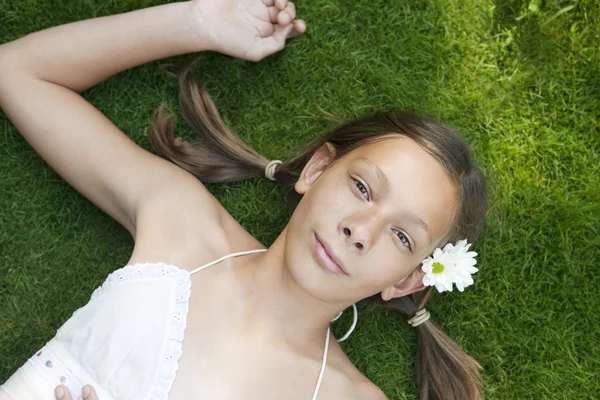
[62,393]
[248,29]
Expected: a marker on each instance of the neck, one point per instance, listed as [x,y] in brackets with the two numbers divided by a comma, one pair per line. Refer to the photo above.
[279,305]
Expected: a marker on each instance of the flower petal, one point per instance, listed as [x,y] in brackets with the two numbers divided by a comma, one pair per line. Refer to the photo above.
[440,287]
[428,280]
[462,243]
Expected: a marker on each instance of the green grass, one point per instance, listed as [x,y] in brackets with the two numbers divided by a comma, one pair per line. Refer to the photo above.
[521,80]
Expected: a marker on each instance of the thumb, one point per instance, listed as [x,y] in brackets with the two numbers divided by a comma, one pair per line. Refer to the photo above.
[276,41]
[61,392]
[89,393]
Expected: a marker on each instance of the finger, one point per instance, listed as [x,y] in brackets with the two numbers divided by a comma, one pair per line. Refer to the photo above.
[267,2]
[273,43]
[61,392]
[280,4]
[273,12]
[89,393]
[287,15]
[299,28]
[281,34]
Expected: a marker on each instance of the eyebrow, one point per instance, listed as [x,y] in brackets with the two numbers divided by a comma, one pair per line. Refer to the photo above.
[418,221]
[385,182]
[380,175]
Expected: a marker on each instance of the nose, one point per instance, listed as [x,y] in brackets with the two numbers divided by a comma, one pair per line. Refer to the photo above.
[361,230]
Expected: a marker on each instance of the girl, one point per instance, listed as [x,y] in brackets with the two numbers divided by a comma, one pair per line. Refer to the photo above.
[204,310]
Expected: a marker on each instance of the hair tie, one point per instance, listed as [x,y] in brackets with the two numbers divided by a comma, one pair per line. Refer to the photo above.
[270,169]
[420,317]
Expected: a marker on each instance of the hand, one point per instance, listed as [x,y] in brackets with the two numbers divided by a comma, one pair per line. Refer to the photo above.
[66,394]
[248,29]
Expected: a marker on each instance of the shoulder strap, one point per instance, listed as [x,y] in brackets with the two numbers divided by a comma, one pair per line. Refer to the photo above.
[323,364]
[241,253]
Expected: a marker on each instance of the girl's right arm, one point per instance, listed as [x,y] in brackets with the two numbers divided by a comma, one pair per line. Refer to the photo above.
[42,73]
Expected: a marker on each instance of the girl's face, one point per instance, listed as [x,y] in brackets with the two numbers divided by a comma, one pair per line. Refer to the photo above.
[367,221]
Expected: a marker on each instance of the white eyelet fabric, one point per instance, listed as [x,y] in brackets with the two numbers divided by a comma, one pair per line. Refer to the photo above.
[126,341]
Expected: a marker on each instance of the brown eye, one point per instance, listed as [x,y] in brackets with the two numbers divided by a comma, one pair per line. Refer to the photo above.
[362,188]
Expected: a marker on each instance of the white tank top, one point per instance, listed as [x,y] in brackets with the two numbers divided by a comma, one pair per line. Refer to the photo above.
[126,341]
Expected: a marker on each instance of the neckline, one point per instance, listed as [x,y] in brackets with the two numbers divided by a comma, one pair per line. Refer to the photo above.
[143,263]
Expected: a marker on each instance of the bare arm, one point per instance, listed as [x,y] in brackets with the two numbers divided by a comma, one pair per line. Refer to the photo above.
[81,54]
[41,73]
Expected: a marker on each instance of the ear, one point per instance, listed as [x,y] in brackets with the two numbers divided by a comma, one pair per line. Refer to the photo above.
[318,162]
[411,284]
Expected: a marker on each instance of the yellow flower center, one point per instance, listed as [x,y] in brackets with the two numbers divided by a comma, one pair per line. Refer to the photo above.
[437,267]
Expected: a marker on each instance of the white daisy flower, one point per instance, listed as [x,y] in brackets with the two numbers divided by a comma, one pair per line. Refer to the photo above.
[437,271]
[452,264]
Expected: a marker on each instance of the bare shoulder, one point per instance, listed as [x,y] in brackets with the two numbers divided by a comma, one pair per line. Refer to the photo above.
[348,382]
[185,225]
[366,390]
[355,387]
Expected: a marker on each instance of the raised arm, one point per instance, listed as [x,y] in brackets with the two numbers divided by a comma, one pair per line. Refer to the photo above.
[42,73]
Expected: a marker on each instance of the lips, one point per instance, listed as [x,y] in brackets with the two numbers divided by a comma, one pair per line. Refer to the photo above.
[326,258]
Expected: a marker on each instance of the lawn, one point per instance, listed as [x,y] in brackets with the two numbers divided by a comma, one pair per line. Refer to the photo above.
[521,81]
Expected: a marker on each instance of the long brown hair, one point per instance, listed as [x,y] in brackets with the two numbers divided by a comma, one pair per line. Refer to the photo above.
[443,369]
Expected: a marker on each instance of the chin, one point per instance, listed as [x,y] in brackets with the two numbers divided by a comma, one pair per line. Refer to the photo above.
[305,271]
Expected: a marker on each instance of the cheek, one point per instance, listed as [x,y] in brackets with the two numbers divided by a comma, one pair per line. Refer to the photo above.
[386,270]
[326,203]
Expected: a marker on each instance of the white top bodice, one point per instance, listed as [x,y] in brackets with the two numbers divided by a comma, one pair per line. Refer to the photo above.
[126,341]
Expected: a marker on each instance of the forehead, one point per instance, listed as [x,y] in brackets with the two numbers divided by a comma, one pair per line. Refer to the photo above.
[417,183]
